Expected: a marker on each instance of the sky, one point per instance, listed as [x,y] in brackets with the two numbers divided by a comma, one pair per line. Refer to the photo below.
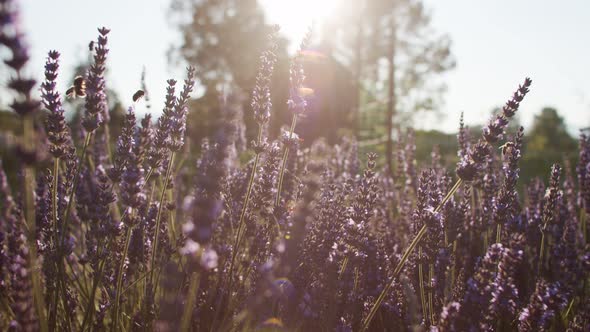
[496,45]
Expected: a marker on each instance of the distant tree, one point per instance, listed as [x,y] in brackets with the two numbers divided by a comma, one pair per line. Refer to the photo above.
[223,39]
[547,142]
[549,132]
[391,44]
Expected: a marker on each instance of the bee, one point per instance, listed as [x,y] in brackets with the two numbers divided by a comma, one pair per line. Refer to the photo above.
[91,46]
[138,95]
[80,86]
[70,92]
[506,147]
[78,89]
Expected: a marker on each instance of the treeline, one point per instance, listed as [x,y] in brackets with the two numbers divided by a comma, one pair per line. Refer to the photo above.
[546,142]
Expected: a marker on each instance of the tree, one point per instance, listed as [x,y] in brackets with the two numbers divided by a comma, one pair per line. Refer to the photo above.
[549,133]
[546,143]
[396,56]
[223,39]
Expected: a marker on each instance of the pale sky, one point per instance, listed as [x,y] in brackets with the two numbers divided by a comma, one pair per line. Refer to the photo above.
[496,44]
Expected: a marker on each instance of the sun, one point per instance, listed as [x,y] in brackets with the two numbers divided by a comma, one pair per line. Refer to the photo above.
[299,15]
[317,10]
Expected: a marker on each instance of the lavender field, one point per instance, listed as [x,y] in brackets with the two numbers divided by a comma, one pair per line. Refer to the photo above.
[129,223]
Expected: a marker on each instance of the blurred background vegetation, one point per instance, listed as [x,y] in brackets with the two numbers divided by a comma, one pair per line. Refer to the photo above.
[375,69]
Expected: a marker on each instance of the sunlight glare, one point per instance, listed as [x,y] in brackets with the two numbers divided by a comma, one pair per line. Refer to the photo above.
[317,10]
[297,16]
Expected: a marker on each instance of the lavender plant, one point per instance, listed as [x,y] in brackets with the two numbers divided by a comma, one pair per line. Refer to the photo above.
[124,235]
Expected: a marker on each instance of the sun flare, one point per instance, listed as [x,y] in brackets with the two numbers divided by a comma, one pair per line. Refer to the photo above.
[317,10]
[301,13]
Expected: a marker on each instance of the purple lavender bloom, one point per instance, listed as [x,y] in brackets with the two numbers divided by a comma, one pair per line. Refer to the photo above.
[12,37]
[261,99]
[297,102]
[479,289]
[551,197]
[57,131]
[462,138]
[450,318]
[178,116]
[125,144]
[495,129]
[545,303]
[161,142]
[205,206]
[20,290]
[96,108]
[506,204]
[470,164]
[132,183]
[505,294]
[143,138]
[583,170]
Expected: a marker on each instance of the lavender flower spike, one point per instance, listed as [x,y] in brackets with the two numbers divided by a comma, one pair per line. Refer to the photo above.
[96,98]
[471,163]
[261,101]
[57,131]
[178,119]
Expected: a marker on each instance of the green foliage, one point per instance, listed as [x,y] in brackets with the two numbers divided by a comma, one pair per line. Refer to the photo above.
[391,31]
[546,143]
[446,144]
[222,38]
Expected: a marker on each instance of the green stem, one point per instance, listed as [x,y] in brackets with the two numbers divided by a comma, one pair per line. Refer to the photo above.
[541,250]
[421,281]
[498,233]
[149,175]
[108,142]
[159,217]
[402,262]
[453,268]
[190,302]
[241,224]
[74,185]
[120,278]
[343,268]
[53,310]
[356,280]
[90,306]
[569,309]
[430,306]
[64,224]
[284,162]
[54,197]
[583,225]
[134,282]
[68,313]
[83,291]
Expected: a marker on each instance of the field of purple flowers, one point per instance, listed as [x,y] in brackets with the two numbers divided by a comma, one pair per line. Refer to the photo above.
[123,234]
